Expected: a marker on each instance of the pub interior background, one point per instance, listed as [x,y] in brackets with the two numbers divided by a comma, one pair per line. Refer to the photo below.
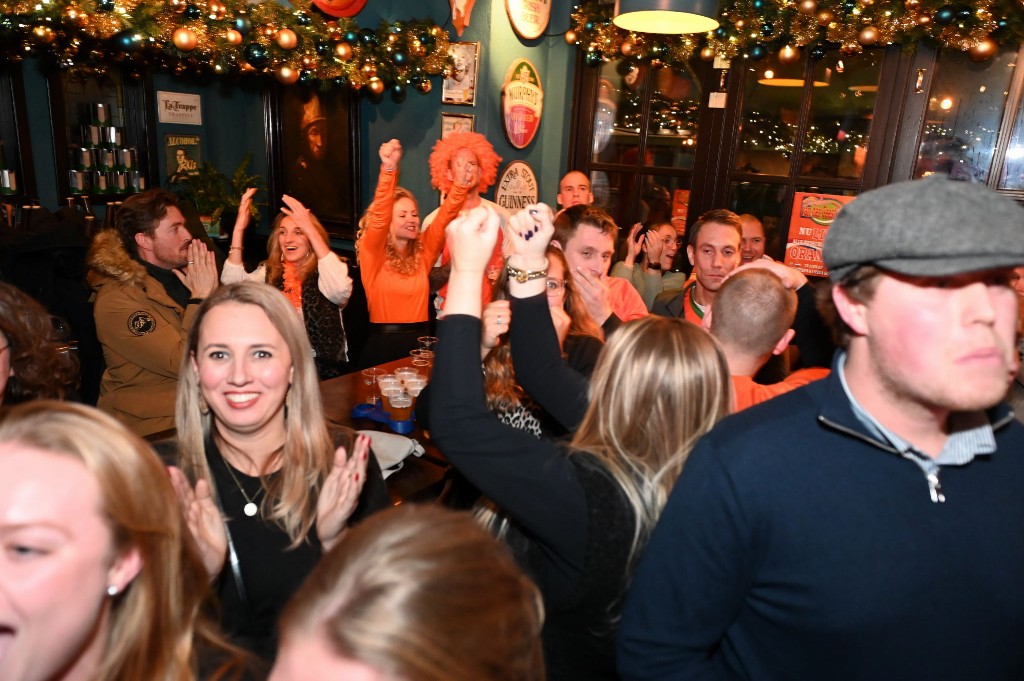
[830,118]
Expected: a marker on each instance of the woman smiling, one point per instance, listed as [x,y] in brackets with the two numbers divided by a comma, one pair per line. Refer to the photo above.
[264,485]
[314,279]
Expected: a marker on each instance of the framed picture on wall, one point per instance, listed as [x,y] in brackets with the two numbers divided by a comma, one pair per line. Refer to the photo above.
[452,122]
[460,88]
[314,153]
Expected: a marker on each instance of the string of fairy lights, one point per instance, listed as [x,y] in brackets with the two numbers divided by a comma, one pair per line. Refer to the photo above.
[789,28]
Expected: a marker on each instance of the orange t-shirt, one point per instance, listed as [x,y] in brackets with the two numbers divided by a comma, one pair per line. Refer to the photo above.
[391,297]
[625,301]
[746,393]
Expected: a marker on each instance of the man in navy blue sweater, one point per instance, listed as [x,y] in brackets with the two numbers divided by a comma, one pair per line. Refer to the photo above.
[867,526]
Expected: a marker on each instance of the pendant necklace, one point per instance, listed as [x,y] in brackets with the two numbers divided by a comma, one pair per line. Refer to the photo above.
[250,507]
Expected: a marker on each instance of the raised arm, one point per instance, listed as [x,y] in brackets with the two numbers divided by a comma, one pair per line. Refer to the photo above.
[536,352]
[529,479]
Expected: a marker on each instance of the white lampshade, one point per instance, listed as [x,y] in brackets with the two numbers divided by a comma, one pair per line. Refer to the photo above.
[666,16]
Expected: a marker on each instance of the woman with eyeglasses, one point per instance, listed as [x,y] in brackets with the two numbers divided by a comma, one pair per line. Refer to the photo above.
[650,255]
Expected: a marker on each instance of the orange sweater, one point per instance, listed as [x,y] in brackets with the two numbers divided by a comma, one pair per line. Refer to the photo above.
[395,298]
[746,393]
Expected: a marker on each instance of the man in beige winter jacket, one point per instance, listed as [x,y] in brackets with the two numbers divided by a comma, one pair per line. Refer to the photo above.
[150,276]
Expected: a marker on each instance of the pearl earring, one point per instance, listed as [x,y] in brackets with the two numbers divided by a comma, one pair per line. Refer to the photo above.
[112,590]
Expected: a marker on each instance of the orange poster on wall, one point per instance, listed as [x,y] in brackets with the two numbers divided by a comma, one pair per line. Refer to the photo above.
[812,215]
[680,203]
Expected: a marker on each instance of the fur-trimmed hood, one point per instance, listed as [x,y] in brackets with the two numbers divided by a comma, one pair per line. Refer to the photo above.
[109,259]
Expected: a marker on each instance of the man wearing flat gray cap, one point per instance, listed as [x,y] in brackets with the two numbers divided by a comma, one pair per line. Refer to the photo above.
[866,526]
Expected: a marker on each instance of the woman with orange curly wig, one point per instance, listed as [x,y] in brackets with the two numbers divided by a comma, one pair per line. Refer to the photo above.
[395,258]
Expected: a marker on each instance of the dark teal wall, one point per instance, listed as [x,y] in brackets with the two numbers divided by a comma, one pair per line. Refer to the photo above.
[233,113]
[417,121]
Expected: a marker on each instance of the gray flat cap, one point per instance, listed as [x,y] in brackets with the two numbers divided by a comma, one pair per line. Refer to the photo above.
[926,228]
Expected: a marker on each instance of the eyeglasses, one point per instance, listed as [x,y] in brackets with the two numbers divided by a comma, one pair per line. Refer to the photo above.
[555,284]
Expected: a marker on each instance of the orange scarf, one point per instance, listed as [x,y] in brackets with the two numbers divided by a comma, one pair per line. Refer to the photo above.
[293,285]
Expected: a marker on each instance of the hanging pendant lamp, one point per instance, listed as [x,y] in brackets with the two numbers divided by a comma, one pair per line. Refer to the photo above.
[666,16]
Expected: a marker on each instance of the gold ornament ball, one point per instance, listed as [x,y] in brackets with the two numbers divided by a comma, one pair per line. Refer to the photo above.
[233,36]
[740,23]
[789,55]
[924,19]
[825,17]
[626,48]
[425,87]
[309,62]
[392,38]
[287,39]
[436,31]
[571,37]
[911,5]
[983,50]
[369,70]
[868,36]
[707,54]
[808,7]
[376,86]
[185,39]
[217,10]
[343,51]
[44,34]
[286,74]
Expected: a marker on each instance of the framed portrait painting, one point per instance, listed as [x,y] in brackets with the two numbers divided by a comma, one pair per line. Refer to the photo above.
[313,149]
[460,87]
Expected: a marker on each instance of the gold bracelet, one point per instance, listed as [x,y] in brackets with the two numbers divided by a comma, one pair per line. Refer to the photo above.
[234,248]
[523,276]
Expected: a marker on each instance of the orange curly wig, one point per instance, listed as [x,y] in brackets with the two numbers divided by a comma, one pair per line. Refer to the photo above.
[441,156]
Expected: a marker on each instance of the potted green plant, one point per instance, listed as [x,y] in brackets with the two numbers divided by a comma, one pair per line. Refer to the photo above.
[213,193]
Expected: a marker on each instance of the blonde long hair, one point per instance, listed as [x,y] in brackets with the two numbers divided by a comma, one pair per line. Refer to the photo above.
[156,621]
[407,263]
[422,593]
[308,450]
[275,263]
[659,385]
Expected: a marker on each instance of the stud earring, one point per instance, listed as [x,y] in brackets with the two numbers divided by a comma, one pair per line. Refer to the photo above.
[112,590]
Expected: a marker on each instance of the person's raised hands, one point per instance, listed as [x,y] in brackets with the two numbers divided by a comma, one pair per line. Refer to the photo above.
[471,238]
[496,318]
[200,274]
[632,245]
[244,208]
[391,154]
[203,519]
[339,494]
[530,231]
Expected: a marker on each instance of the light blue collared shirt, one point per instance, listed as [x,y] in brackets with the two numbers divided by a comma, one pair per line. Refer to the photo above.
[970,435]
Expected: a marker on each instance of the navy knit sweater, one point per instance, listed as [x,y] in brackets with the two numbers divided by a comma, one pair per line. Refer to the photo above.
[795,546]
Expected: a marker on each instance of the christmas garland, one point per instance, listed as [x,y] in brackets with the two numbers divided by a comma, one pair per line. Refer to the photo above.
[757,28]
[225,37]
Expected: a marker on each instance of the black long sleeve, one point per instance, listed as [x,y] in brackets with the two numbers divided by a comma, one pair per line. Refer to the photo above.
[540,369]
[812,336]
[530,479]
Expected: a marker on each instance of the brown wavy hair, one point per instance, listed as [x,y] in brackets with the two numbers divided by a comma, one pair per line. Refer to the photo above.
[275,264]
[41,364]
